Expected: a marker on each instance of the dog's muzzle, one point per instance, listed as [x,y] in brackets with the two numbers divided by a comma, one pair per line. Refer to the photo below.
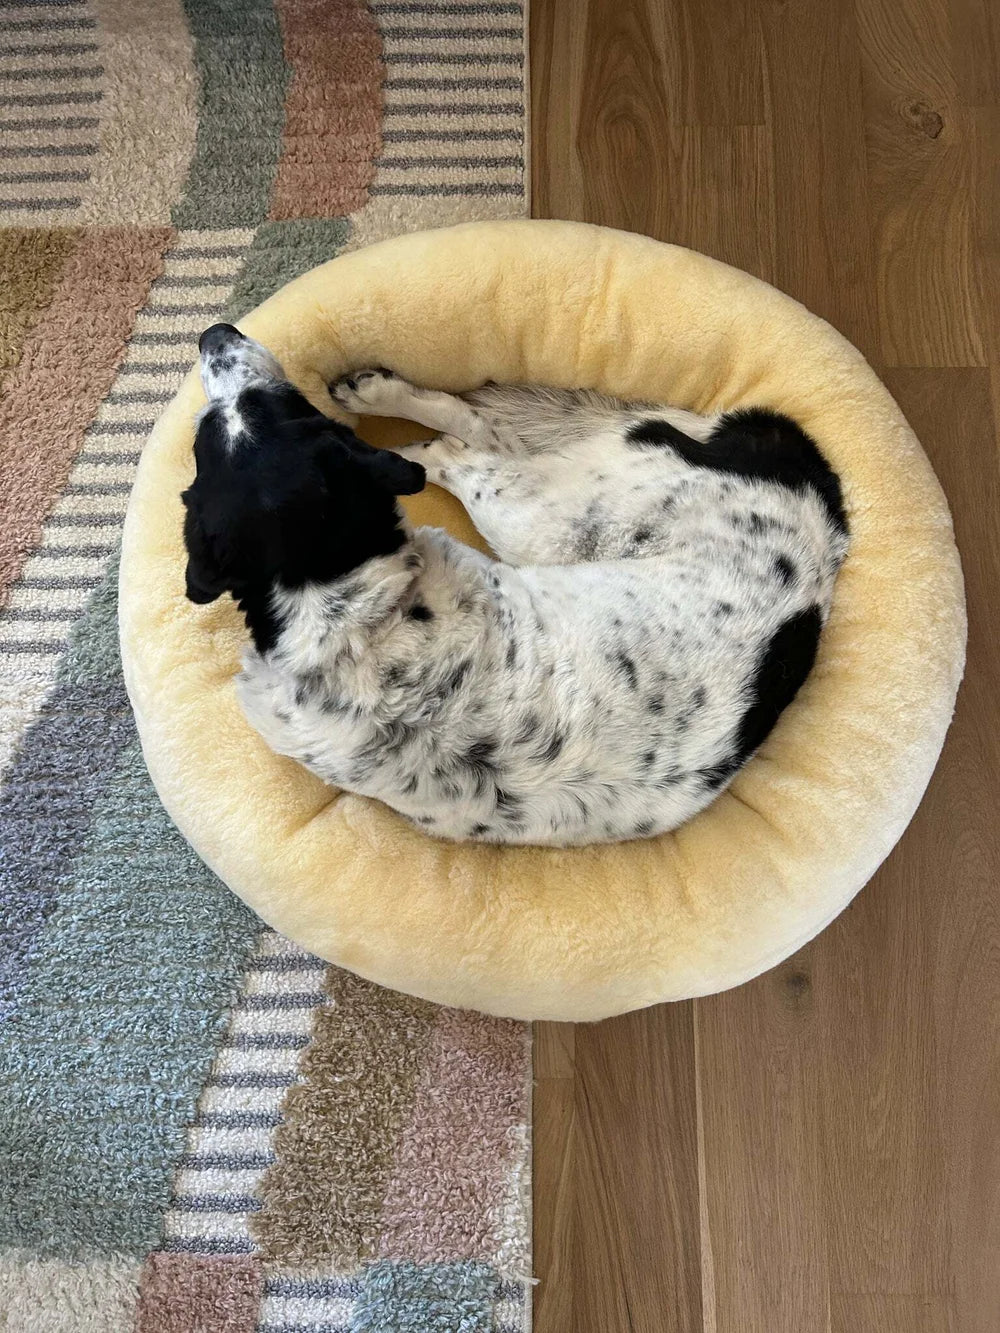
[219,338]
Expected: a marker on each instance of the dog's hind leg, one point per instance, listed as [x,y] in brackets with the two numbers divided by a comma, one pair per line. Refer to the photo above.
[546,420]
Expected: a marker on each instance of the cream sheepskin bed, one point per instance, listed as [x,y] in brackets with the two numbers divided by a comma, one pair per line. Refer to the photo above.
[585,933]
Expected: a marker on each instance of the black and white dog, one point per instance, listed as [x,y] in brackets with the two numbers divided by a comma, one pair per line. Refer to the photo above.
[661,586]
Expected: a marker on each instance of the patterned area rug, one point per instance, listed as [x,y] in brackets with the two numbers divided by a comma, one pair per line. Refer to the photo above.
[201,1127]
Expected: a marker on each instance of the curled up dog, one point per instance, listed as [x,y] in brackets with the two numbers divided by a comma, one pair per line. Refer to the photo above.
[661,585]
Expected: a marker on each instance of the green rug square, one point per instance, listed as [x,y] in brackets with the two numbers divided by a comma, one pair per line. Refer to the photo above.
[425,1298]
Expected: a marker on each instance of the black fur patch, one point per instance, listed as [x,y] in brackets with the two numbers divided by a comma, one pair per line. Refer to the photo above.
[526,732]
[785,663]
[757,445]
[295,499]
[714,778]
[554,747]
[481,754]
[480,761]
[454,681]
[511,807]
[625,665]
[784,569]
[781,671]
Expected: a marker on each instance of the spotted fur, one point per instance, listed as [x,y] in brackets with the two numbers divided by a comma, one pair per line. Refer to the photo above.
[661,586]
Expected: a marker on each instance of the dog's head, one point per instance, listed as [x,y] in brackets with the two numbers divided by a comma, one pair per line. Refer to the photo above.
[282,494]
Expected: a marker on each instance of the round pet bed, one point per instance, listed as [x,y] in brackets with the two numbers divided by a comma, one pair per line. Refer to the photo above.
[584,933]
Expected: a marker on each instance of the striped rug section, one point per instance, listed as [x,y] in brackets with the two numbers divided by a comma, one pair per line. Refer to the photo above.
[84,527]
[231,1142]
[509,1312]
[316,1304]
[454,99]
[50,90]
[302,1132]
[312,1304]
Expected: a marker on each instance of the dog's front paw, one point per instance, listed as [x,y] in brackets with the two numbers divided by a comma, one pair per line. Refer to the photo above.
[371,391]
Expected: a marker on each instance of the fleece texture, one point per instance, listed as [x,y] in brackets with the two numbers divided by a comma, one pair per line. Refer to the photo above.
[580,933]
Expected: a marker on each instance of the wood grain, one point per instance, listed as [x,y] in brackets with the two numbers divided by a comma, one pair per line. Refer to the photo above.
[920,196]
[761,1095]
[975,32]
[823,244]
[634,1181]
[554,1161]
[893,1314]
[948,869]
[818,1151]
[722,69]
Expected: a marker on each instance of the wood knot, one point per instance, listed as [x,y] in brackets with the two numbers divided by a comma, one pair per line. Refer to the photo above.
[923,118]
[798,984]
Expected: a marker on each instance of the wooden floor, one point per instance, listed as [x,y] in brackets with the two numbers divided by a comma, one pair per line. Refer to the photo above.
[820,1149]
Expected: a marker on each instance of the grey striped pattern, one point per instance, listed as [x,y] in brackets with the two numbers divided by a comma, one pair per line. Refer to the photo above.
[421,10]
[42,203]
[267,1041]
[49,61]
[55,49]
[231,1161]
[30,151]
[213,1245]
[282,962]
[69,97]
[284,1327]
[236,1120]
[68,24]
[50,73]
[39,5]
[326,1304]
[313,1304]
[230,1144]
[42,177]
[343,1288]
[81,534]
[453,136]
[454,101]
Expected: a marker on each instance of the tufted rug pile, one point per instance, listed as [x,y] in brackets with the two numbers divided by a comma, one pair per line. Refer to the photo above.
[202,1128]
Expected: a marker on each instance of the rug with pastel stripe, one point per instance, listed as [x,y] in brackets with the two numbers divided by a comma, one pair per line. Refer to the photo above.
[201,1127]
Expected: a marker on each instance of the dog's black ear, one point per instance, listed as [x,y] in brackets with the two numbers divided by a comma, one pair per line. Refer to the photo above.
[397,475]
[388,470]
[204,578]
[201,584]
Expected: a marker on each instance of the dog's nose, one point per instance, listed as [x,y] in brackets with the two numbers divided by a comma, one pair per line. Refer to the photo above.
[218,338]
